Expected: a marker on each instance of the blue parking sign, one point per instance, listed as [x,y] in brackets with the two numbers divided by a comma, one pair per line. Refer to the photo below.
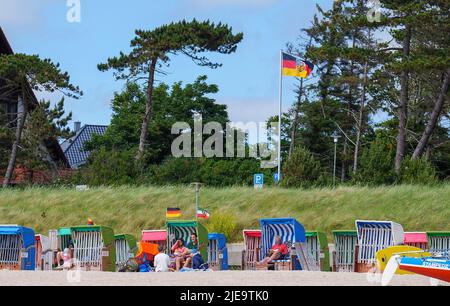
[276,179]
[258,181]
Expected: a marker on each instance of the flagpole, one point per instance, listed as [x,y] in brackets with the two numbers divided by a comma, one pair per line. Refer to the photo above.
[197,190]
[280,106]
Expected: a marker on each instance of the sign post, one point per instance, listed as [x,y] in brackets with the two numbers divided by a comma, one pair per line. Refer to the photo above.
[258,181]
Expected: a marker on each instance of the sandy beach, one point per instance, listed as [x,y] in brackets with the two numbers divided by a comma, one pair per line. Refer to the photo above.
[231,278]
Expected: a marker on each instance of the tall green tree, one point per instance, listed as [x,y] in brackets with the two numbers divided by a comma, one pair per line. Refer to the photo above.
[44,123]
[416,26]
[152,49]
[176,103]
[21,74]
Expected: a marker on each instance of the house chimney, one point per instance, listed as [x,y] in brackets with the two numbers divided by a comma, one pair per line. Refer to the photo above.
[77,126]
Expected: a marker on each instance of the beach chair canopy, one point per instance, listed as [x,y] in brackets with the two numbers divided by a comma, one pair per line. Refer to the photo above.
[220,238]
[44,240]
[131,241]
[290,230]
[184,230]
[344,233]
[393,231]
[252,233]
[439,241]
[159,235]
[25,241]
[65,231]
[322,238]
[416,238]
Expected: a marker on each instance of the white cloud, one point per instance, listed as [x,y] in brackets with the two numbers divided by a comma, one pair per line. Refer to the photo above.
[249,110]
[23,13]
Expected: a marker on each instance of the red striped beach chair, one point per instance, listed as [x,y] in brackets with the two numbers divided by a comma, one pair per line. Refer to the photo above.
[252,246]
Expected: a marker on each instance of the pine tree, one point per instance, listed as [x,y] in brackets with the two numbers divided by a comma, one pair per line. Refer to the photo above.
[152,49]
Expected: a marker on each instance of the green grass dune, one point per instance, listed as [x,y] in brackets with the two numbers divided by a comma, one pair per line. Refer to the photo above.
[130,210]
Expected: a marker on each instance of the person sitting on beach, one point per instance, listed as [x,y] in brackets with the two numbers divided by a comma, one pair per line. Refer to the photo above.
[64,259]
[180,252]
[277,252]
[194,254]
[161,261]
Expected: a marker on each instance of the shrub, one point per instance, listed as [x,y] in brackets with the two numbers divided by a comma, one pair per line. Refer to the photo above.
[225,224]
[301,170]
[111,168]
[417,171]
[376,164]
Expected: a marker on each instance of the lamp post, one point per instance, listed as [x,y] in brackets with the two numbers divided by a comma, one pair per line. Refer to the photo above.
[336,140]
[197,190]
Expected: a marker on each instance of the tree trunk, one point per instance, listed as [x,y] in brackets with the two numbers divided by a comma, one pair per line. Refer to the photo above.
[148,110]
[344,162]
[359,127]
[18,137]
[438,106]
[295,123]
[404,101]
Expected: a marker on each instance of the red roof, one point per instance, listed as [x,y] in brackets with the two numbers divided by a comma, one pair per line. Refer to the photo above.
[154,235]
[252,233]
[416,238]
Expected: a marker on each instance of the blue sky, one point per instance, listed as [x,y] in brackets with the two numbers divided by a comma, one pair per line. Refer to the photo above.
[248,80]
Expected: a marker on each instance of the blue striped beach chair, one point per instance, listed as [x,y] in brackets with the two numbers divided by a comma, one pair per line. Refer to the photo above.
[374,236]
[293,234]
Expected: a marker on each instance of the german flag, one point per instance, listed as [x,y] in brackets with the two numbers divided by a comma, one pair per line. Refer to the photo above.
[173,213]
[293,66]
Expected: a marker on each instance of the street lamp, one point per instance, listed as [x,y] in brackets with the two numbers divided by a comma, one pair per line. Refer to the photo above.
[197,190]
[336,137]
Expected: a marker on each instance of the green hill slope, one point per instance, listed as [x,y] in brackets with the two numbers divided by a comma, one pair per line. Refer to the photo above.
[129,210]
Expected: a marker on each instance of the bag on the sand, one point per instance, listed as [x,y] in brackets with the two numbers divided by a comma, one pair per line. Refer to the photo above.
[198,263]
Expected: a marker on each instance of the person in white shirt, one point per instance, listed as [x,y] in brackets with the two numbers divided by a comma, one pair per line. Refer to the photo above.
[162,261]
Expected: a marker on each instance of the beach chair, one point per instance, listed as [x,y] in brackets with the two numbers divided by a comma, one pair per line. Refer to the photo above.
[94,248]
[17,248]
[217,252]
[374,236]
[344,254]
[416,239]
[317,243]
[158,237]
[44,253]
[293,234]
[184,229]
[439,242]
[126,248]
[53,239]
[64,238]
[252,246]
